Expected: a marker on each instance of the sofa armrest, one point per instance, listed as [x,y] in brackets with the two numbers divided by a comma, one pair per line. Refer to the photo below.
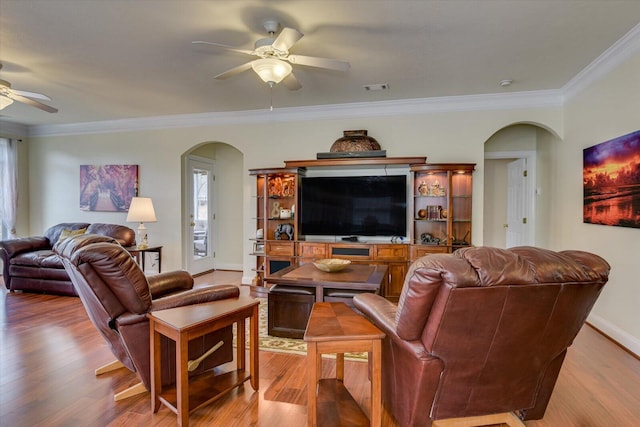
[195,296]
[379,310]
[11,248]
[167,283]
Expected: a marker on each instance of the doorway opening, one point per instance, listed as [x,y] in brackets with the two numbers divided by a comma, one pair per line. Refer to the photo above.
[212,198]
[517,187]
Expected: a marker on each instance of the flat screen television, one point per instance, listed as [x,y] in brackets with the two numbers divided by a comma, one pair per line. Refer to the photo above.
[353,206]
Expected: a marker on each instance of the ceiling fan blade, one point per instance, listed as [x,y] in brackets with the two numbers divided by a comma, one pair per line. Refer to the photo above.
[313,61]
[287,38]
[234,49]
[32,103]
[235,70]
[31,94]
[291,82]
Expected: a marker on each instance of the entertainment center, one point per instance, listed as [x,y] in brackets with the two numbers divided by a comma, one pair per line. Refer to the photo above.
[327,208]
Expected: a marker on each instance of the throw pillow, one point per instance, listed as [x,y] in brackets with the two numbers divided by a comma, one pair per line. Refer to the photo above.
[66,233]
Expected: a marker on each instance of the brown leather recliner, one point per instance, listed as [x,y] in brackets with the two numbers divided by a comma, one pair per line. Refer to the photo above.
[482,331]
[117,297]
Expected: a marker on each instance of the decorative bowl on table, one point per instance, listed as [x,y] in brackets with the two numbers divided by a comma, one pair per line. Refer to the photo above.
[331,265]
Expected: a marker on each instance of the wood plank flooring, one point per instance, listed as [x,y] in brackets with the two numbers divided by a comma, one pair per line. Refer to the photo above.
[49,350]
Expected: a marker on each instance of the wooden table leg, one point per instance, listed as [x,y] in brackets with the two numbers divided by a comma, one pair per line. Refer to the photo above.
[312,382]
[376,383]
[254,364]
[241,339]
[182,381]
[156,371]
[340,367]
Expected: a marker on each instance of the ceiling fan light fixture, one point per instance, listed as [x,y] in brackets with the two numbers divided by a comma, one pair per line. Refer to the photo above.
[5,102]
[271,70]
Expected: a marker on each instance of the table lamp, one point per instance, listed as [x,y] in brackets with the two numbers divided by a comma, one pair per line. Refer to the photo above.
[141,210]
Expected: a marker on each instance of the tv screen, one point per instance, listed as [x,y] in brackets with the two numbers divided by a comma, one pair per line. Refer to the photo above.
[354,206]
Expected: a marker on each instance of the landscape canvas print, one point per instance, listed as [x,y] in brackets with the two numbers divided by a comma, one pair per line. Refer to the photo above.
[611,181]
[108,188]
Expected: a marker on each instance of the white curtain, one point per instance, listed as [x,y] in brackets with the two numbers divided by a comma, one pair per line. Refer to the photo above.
[9,183]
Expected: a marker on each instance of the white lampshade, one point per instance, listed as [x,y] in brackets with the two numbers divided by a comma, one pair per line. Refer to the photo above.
[141,210]
[271,70]
[5,102]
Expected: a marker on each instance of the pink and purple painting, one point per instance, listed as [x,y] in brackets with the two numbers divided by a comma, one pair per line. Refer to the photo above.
[108,188]
[611,182]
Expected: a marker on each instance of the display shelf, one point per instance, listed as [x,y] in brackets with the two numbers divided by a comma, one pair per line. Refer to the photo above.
[442,195]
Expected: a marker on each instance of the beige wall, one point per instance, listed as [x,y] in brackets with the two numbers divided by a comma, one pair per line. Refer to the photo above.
[607,109]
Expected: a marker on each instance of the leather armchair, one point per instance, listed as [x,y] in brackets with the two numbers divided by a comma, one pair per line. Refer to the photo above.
[118,296]
[482,331]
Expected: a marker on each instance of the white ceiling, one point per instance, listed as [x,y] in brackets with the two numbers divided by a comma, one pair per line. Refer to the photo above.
[114,59]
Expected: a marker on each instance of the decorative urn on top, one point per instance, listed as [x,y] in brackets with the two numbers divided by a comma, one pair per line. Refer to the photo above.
[355,140]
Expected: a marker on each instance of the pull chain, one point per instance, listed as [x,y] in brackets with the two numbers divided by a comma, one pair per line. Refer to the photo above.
[270,96]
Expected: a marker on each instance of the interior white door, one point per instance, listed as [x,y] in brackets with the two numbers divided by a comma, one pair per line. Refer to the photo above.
[516,203]
[200,224]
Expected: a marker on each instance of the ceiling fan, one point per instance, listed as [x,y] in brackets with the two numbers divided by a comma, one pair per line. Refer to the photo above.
[8,95]
[273,52]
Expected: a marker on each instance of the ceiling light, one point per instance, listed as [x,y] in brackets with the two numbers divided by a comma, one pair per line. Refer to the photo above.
[505,82]
[5,102]
[271,70]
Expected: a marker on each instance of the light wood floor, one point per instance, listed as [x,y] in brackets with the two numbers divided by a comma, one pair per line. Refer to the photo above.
[49,350]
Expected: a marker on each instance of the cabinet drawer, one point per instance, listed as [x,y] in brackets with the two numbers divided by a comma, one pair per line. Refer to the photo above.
[280,248]
[390,252]
[312,250]
[350,251]
[420,251]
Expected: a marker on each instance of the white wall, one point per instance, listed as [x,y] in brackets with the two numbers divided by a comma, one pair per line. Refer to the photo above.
[607,109]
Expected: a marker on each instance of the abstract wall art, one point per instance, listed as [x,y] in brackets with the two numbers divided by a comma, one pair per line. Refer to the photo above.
[611,182]
[108,188]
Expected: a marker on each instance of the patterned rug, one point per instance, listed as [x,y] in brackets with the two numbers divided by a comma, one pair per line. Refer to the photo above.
[283,345]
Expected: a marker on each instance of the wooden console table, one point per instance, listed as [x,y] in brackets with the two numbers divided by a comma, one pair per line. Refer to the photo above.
[182,324]
[336,328]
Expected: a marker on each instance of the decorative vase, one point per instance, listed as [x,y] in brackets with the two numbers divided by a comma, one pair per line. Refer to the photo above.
[355,140]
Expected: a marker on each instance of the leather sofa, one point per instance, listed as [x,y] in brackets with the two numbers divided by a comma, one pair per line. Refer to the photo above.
[482,331]
[30,264]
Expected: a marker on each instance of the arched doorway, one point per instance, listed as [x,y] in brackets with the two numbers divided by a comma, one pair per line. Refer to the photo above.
[517,186]
[212,203]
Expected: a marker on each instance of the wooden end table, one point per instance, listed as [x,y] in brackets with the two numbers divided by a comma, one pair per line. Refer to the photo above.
[183,324]
[335,328]
[139,255]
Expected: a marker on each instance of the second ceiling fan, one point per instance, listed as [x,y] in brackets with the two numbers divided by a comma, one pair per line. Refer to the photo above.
[273,65]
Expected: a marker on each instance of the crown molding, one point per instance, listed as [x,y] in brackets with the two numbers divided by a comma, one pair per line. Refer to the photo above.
[615,55]
[516,100]
[15,130]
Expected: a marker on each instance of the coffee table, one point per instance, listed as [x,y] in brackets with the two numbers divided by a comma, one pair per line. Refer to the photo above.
[335,328]
[183,324]
[358,277]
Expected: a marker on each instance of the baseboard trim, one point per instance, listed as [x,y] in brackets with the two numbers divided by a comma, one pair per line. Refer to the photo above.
[624,339]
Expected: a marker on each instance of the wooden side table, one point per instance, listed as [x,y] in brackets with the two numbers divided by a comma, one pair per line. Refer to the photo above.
[183,324]
[139,255]
[336,328]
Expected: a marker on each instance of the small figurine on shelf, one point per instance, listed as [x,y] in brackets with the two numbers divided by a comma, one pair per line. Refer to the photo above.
[257,280]
[286,229]
[436,189]
[275,211]
[423,189]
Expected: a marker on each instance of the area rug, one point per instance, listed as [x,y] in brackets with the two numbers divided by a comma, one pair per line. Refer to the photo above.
[283,345]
